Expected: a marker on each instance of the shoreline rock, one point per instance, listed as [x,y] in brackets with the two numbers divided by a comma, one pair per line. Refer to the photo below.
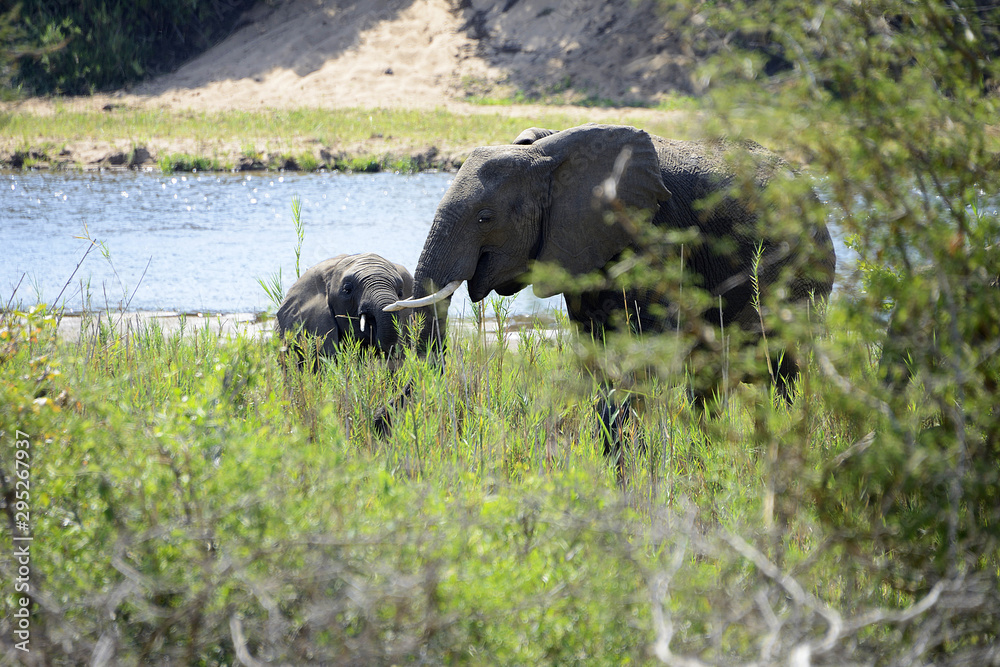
[86,156]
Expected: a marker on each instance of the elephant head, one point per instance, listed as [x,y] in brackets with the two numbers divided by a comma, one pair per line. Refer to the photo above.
[344,297]
[544,199]
[548,198]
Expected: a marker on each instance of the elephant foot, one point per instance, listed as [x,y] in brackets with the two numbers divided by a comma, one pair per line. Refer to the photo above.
[709,394]
[621,432]
[382,423]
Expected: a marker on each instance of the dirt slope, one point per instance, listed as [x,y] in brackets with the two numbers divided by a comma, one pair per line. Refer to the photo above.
[334,53]
[621,51]
[425,54]
[417,54]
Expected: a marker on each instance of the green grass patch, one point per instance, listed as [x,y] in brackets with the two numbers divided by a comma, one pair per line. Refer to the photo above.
[182,162]
[258,511]
[484,93]
[253,128]
[362,139]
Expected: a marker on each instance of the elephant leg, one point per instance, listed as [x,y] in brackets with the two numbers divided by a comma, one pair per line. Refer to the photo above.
[621,428]
[786,374]
[382,423]
[714,370]
[781,368]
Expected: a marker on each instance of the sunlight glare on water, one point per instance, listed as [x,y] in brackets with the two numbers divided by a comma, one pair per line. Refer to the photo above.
[207,238]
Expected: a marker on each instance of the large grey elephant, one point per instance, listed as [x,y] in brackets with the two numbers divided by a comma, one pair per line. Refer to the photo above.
[344,297]
[565,198]
[552,197]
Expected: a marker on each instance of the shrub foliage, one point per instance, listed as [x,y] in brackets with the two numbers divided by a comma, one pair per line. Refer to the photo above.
[82,47]
[893,106]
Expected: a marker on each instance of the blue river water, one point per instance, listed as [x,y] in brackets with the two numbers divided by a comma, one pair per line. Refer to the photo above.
[200,242]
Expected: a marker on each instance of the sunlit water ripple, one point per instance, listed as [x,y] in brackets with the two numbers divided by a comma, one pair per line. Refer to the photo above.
[206,238]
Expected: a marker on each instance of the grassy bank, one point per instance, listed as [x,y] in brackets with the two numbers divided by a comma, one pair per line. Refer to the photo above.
[357,139]
[191,502]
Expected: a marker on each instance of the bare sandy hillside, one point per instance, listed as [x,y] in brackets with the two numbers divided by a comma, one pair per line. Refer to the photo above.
[621,51]
[417,54]
[331,53]
[430,53]
[427,54]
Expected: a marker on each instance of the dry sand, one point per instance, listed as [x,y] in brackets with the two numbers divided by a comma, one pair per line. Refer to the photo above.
[304,53]
[421,54]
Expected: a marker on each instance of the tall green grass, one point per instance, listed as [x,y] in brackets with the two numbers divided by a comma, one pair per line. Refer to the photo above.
[193,501]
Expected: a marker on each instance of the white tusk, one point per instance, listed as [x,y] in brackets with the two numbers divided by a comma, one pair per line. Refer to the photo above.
[440,295]
[362,324]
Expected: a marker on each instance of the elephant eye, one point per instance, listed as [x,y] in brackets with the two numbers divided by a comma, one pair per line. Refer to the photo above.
[484,216]
[347,287]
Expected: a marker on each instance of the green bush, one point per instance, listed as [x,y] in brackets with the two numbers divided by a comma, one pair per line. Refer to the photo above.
[83,47]
[190,503]
[892,106]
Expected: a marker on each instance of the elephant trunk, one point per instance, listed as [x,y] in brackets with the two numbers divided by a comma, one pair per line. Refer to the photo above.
[449,258]
[378,328]
[433,317]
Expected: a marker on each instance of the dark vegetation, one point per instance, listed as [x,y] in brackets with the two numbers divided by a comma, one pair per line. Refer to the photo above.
[74,47]
[722,25]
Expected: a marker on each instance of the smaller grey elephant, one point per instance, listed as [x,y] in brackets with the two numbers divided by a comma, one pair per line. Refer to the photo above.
[343,297]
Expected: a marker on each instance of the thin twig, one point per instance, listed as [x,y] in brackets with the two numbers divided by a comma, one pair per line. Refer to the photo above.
[93,242]
[6,308]
[830,371]
[131,296]
[659,588]
[901,615]
[858,447]
[792,587]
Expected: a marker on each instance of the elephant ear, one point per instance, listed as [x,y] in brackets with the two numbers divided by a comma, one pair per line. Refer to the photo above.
[326,318]
[531,135]
[595,169]
[305,308]
[407,280]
